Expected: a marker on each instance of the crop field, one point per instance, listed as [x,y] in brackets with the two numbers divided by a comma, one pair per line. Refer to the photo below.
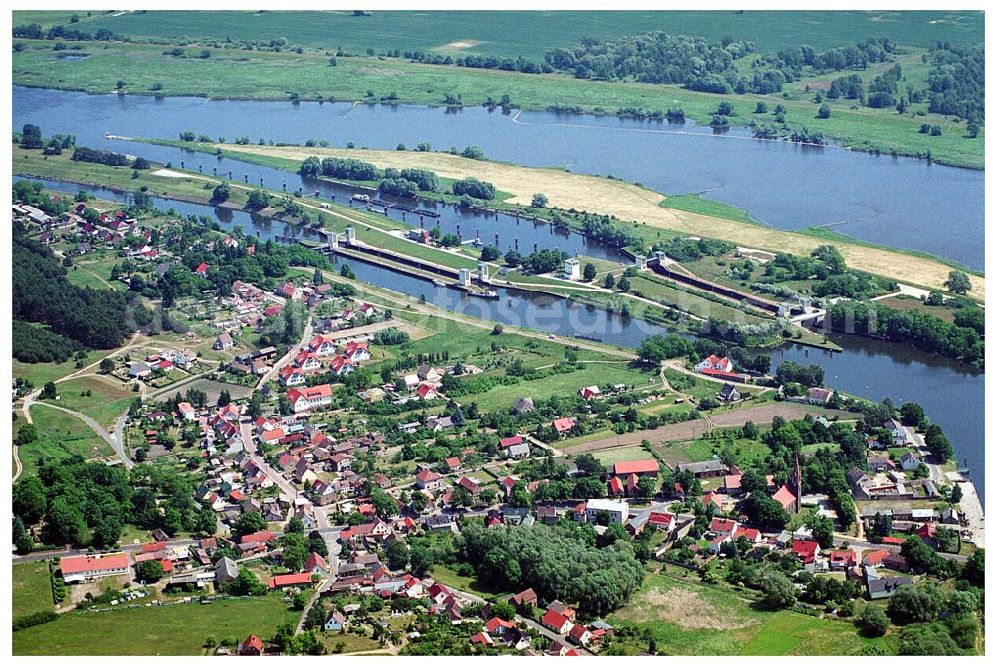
[178,629]
[60,436]
[689,618]
[685,430]
[528,34]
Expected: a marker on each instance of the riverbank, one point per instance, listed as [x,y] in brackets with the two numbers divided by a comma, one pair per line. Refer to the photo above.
[231,73]
[626,202]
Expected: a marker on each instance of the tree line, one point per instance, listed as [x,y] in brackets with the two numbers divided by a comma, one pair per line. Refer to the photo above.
[42,294]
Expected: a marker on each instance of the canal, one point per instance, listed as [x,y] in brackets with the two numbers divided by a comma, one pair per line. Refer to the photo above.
[951,393]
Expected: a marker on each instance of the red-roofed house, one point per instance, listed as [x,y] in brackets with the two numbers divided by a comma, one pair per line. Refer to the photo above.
[564,425]
[806,550]
[526,598]
[481,638]
[717,363]
[202,269]
[557,622]
[508,442]
[875,558]
[264,536]
[723,526]
[312,397]
[88,567]
[615,487]
[428,480]
[290,580]
[497,626]
[291,376]
[315,564]
[750,533]
[648,467]
[843,559]
[357,351]
[252,646]
[590,392]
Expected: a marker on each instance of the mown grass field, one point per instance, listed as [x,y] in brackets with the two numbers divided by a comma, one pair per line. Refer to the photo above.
[528,34]
[267,75]
[32,590]
[60,436]
[564,384]
[107,399]
[688,618]
[162,630]
[39,373]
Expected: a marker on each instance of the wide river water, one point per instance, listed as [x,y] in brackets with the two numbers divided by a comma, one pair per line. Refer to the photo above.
[899,202]
[951,393]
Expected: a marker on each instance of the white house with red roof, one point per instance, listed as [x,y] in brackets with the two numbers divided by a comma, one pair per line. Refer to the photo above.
[590,392]
[723,526]
[291,375]
[80,568]
[309,398]
[357,351]
[201,269]
[806,550]
[428,479]
[308,361]
[321,345]
[716,363]
[557,622]
[341,365]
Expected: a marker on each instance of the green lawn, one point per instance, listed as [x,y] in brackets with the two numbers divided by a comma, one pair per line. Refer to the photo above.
[687,618]
[39,373]
[107,399]
[163,630]
[696,203]
[60,435]
[563,384]
[611,456]
[32,588]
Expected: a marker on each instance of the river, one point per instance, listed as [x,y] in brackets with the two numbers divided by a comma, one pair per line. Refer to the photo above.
[951,393]
[899,202]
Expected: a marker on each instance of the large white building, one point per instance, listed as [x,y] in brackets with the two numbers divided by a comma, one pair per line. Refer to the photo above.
[81,568]
[617,510]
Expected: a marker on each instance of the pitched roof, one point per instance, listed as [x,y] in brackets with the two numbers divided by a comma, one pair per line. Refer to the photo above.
[647,466]
[784,496]
[84,563]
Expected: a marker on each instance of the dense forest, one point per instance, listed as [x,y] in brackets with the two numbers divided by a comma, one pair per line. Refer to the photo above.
[962,340]
[557,562]
[89,504]
[42,294]
[958,82]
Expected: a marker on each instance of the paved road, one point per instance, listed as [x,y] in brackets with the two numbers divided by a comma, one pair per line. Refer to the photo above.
[270,375]
[250,444]
[66,552]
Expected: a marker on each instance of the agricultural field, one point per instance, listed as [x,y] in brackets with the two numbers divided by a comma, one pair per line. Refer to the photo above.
[177,629]
[561,384]
[39,373]
[527,34]
[763,414]
[692,618]
[60,436]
